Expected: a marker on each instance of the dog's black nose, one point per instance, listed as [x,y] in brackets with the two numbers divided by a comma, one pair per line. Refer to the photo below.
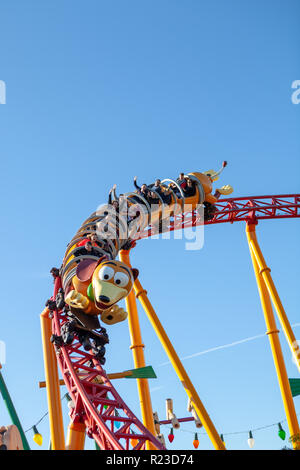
[104,299]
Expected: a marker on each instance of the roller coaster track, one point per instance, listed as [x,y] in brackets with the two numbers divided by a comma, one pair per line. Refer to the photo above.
[237,210]
[107,418]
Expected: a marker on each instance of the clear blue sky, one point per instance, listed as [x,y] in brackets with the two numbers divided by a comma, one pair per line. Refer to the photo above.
[98,92]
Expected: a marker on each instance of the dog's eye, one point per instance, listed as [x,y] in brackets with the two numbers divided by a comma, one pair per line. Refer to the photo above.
[106,273]
[121,279]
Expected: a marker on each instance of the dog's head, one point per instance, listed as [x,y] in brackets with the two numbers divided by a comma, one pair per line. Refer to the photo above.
[111,280]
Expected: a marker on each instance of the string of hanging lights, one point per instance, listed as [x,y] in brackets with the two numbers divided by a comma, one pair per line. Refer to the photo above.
[251,441]
[38,438]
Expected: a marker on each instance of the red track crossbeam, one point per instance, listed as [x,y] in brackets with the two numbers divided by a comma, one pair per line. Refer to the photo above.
[237,210]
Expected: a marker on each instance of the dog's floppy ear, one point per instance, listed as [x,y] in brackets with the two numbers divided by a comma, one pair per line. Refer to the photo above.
[86,268]
[135,273]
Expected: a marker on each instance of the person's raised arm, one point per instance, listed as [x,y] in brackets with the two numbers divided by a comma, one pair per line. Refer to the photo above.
[109,197]
[135,183]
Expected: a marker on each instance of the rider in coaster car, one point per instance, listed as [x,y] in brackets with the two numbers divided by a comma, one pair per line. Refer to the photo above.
[87,249]
[115,203]
[85,240]
[120,204]
[164,193]
[145,192]
[182,182]
[54,272]
[190,188]
[93,238]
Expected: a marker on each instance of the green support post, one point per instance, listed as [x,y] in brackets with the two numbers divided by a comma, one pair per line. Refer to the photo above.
[12,411]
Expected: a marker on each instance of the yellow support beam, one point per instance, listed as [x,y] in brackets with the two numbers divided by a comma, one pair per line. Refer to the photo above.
[53,394]
[75,436]
[137,347]
[141,294]
[265,271]
[272,333]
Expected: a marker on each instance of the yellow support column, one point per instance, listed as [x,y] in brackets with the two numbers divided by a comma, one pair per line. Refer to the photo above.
[137,347]
[273,332]
[76,436]
[141,294]
[264,271]
[52,384]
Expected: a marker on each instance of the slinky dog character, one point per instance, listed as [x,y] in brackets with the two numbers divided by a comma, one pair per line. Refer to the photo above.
[99,285]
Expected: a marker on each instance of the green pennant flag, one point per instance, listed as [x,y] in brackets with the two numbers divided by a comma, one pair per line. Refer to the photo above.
[295,386]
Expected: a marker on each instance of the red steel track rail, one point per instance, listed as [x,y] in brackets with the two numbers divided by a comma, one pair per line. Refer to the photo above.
[237,210]
[107,418]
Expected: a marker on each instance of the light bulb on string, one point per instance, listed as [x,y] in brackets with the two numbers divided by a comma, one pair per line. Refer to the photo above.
[196,441]
[70,402]
[133,441]
[117,423]
[251,440]
[281,432]
[37,437]
[171,435]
